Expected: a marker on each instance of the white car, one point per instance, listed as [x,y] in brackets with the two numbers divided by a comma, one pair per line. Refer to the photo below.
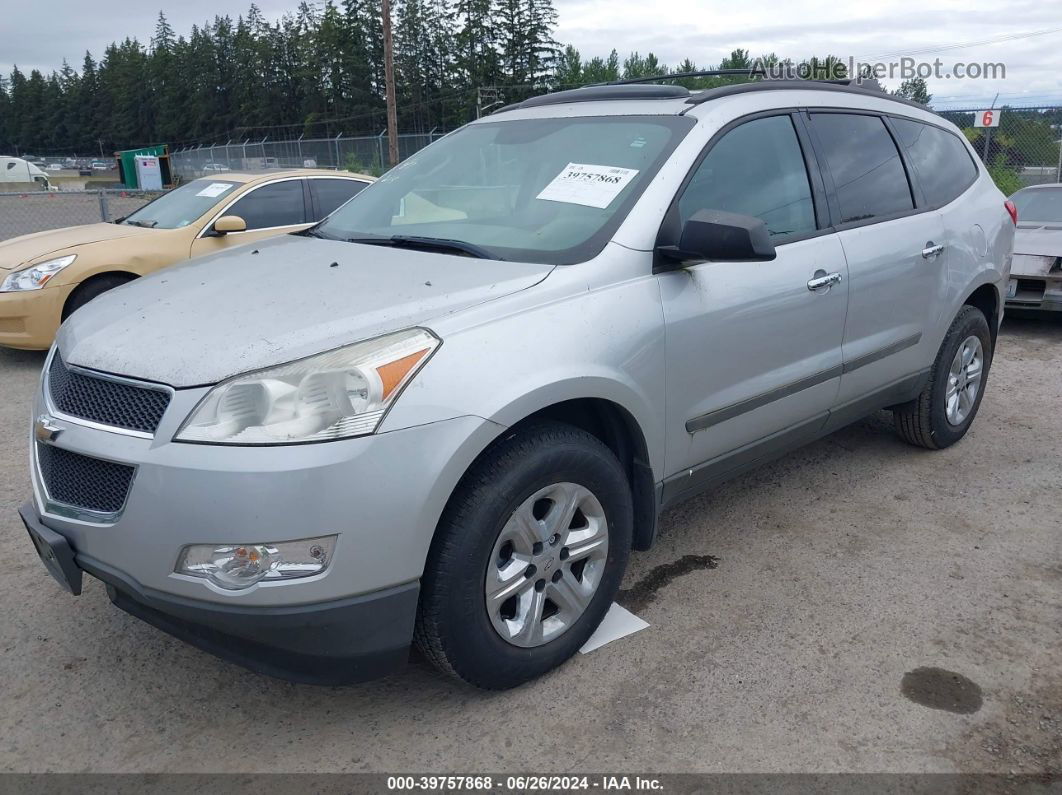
[215,168]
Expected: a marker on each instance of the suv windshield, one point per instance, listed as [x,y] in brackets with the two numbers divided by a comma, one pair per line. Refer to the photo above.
[533,190]
[1039,204]
[181,206]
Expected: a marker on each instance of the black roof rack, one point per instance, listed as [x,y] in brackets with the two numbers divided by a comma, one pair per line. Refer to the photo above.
[869,88]
[606,91]
[682,75]
[646,88]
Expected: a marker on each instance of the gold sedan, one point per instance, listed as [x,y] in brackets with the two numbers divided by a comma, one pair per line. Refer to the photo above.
[46,276]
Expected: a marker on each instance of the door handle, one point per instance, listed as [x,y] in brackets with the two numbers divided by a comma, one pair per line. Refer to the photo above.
[931,250]
[823,279]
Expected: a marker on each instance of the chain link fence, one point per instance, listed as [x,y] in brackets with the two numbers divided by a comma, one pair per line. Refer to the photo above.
[1025,149]
[365,154]
[38,211]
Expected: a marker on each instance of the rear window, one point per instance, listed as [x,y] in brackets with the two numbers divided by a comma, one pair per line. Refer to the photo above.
[330,194]
[940,160]
[1043,205]
[868,174]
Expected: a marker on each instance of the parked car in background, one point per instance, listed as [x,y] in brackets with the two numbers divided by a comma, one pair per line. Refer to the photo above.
[100,165]
[45,276]
[449,412]
[1036,274]
[54,167]
[215,168]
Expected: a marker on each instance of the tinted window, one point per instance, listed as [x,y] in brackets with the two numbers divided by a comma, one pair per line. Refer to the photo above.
[332,193]
[940,159]
[279,204]
[868,175]
[756,169]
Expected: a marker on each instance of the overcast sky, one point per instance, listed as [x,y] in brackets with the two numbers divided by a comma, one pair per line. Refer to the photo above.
[41,34]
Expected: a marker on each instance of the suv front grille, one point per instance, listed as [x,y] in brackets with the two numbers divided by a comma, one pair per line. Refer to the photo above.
[102,400]
[83,482]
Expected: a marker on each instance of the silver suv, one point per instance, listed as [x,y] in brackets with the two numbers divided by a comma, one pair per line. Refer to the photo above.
[447,413]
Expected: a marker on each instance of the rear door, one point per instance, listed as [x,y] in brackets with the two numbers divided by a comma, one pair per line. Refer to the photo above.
[274,208]
[328,194]
[894,252]
[753,350]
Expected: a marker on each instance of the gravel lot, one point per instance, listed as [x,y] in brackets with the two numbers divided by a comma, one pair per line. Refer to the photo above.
[839,577]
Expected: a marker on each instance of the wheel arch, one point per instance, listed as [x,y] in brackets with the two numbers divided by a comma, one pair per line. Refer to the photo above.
[608,420]
[986,298]
[93,279]
[618,430]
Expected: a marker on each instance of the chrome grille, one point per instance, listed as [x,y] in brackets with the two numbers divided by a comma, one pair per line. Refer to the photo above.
[83,482]
[105,401]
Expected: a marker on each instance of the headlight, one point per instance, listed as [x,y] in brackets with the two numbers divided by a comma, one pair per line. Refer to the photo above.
[35,276]
[333,395]
[235,566]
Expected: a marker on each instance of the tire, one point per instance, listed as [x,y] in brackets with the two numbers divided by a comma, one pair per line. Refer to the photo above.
[93,288]
[925,421]
[536,466]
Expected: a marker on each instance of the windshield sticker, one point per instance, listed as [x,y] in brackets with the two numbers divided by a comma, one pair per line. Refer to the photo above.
[214,189]
[591,186]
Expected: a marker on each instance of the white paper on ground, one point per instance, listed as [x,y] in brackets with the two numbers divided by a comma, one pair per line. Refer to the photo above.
[214,189]
[617,623]
[592,186]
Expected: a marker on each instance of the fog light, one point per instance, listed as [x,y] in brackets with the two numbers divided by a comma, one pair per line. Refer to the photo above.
[235,566]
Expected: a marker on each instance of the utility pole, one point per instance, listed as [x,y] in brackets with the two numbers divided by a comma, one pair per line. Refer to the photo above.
[389,86]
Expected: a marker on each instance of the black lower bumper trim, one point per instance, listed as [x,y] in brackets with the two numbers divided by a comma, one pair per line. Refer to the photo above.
[327,643]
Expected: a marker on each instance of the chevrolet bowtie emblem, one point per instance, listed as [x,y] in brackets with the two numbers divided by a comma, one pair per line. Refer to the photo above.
[45,430]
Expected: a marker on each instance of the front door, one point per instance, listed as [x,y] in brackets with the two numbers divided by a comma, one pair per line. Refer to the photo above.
[274,208]
[753,348]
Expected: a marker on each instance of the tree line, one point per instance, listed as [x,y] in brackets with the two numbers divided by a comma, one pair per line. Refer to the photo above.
[316,72]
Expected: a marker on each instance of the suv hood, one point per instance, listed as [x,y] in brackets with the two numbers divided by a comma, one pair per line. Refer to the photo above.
[1044,240]
[289,297]
[24,249]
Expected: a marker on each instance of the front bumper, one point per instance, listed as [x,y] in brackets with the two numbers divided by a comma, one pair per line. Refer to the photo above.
[382,495]
[30,319]
[338,642]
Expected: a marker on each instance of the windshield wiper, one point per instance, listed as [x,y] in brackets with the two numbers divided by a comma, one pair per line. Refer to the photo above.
[145,224]
[431,243]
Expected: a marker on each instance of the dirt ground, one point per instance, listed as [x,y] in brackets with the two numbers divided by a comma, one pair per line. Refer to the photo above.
[859,605]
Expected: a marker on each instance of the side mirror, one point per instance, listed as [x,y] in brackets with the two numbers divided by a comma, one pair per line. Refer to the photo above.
[718,235]
[228,223]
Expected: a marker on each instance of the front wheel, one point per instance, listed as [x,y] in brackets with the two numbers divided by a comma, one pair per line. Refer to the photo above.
[527,558]
[946,407]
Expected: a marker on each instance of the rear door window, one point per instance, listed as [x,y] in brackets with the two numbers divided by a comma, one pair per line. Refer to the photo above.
[330,194]
[277,204]
[941,161]
[869,178]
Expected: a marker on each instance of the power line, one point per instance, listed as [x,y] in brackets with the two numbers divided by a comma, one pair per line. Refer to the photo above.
[962,45]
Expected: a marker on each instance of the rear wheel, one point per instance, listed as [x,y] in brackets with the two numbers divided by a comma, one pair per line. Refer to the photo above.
[946,407]
[527,557]
[93,288]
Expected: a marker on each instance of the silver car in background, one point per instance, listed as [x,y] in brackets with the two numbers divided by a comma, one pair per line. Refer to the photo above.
[1036,274]
[448,413]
